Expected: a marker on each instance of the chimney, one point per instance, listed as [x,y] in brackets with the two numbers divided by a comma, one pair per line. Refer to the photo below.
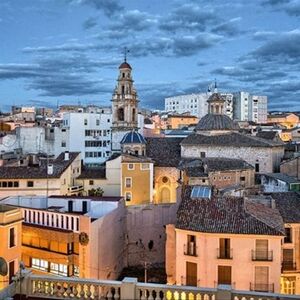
[50,169]
[67,155]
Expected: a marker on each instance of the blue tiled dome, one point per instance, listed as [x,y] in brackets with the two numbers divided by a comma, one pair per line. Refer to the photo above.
[133,137]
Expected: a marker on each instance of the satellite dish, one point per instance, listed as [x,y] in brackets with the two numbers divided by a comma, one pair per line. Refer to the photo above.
[3,267]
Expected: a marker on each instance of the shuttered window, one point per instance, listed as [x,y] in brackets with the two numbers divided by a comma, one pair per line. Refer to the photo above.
[261,249]
[224,275]
[262,279]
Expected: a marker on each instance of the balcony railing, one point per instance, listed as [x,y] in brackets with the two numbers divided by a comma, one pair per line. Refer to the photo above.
[190,249]
[262,255]
[288,266]
[54,287]
[224,253]
[262,287]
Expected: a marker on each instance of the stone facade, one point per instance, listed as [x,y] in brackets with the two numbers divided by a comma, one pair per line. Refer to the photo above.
[264,159]
[291,167]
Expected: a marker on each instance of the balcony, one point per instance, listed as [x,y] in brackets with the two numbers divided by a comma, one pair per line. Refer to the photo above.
[288,266]
[224,253]
[54,287]
[262,287]
[190,249]
[262,255]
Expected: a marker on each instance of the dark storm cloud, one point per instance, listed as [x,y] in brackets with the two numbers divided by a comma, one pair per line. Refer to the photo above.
[60,76]
[90,23]
[291,7]
[109,7]
[284,46]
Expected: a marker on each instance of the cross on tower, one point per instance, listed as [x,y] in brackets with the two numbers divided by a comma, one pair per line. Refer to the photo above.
[126,50]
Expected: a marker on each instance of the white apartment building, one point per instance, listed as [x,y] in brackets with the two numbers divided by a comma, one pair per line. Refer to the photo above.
[89,133]
[196,104]
[247,107]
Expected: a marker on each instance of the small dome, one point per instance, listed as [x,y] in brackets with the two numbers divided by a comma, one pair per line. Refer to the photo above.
[125,65]
[133,137]
[216,122]
[216,97]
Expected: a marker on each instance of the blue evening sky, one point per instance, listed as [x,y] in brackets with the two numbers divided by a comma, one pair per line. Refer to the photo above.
[68,51]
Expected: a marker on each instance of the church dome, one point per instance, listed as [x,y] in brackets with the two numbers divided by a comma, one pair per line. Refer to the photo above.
[216,122]
[125,65]
[133,137]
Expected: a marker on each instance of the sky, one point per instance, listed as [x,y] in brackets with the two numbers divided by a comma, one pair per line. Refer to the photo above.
[55,52]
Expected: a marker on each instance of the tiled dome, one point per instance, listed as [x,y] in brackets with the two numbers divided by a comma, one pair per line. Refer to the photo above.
[125,65]
[133,137]
[216,122]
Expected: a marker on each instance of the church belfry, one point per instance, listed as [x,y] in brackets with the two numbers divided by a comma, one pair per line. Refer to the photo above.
[124,106]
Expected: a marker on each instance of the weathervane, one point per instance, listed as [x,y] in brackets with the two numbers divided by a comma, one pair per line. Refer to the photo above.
[126,50]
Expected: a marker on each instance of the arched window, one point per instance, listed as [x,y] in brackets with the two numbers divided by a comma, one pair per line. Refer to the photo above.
[165,195]
[121,114]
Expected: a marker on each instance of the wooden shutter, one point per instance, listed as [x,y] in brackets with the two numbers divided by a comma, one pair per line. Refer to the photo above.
[191,274]
[224,274]
[261,277]
[261,249]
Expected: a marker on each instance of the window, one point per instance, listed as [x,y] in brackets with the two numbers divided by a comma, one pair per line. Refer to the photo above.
[39,264]
[128,182]
[144,166]
[288,285]
[130,166]
[128,196]
[224,275]
[190,247]
[191,274]
[261,283]
[256,167]
[30,184]
[63,144]
[243,178]
[85,122]
[16,183]
[59,269]
[76,271]
[12,237]
[91,182]
[224,250]
[97,122]
[288,235]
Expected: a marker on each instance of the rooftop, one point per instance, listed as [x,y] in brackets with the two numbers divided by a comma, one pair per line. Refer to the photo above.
[92,173]
[39,171]
[5,208]
[228,215]
[288,204]
[268,135]
[165,152]
[232,139]
[283,177]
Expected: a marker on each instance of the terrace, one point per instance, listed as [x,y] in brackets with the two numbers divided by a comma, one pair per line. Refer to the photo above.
[52,287]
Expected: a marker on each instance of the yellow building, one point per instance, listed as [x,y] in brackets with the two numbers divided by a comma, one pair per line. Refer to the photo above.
[55,178]
[289,206]
[10,246]
[137,179]
[289,120]
[180,121]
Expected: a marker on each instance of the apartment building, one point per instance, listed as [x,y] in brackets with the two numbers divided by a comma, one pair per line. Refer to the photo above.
[90,134]
[10,246]
[248,107]
[70,236]
[225,240]
[44,177]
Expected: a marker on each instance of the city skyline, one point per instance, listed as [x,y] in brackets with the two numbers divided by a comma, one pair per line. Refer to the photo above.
[176,47]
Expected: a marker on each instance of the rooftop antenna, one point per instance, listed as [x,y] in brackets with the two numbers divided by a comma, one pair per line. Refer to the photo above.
[126,50]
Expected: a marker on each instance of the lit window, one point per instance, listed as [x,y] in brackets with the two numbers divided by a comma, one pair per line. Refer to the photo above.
[128,196]
[39,264]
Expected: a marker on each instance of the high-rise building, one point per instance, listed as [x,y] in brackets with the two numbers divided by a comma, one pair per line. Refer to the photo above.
[124,106]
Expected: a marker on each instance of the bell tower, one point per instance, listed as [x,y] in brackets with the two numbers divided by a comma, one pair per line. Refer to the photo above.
[124,105]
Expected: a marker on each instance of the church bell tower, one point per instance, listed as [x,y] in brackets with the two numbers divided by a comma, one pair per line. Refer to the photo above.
[124,106]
